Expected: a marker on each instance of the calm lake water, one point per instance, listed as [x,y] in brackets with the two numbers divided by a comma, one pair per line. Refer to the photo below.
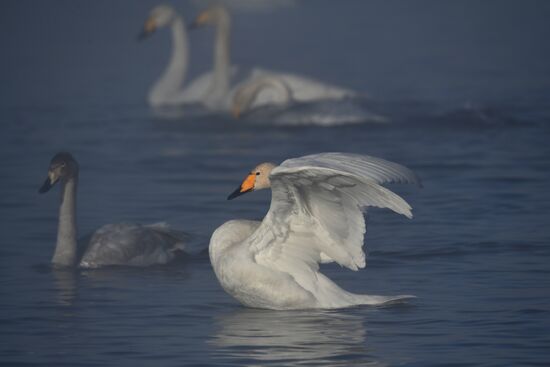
[476,253]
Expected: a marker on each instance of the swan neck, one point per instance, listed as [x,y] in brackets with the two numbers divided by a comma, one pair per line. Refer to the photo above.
[222,55]
[65,249]
[171,81]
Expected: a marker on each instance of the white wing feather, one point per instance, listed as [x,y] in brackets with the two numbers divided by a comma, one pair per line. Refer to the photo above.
[316,210]
[371,168]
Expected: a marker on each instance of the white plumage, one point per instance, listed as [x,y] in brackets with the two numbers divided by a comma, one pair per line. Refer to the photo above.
[315,216]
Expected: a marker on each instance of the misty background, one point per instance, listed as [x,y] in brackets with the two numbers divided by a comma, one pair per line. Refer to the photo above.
[466,87]
[85,52]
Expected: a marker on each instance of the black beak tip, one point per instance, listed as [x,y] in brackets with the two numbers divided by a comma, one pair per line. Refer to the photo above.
[237,193]
[142,35]
[233,195]
[46,186]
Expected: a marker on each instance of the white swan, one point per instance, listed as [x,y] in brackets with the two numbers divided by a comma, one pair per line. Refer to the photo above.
[112,244]
[168,90]
[315,217]
[272,91]
[220,91]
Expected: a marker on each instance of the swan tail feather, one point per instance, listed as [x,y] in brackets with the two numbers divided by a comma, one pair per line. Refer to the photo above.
[382,300]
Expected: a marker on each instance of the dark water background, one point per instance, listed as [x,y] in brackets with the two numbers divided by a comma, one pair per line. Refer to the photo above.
[466,86]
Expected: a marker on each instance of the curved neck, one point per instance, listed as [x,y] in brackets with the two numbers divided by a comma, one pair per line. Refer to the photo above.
[65,249]
[222,73]
[171,81]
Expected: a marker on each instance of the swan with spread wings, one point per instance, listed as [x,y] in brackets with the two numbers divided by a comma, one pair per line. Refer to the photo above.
[316,216]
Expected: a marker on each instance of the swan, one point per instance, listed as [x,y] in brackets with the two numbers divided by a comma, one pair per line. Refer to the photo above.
[315,217]
[246,94]
[113,244]
[168,89]
[220,92]
[272,91]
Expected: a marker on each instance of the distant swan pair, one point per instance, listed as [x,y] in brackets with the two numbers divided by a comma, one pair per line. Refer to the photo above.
[315,217]
[214,89]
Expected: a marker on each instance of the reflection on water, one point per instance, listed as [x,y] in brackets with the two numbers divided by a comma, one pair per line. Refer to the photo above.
[65,281]
[296,337]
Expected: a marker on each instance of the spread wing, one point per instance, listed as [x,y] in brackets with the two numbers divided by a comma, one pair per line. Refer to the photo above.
[317,204]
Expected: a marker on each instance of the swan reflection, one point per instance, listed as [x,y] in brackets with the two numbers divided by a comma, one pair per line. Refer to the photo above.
[297,337]
[65,283]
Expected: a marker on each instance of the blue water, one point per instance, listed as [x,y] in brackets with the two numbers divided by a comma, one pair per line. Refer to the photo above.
[476,253]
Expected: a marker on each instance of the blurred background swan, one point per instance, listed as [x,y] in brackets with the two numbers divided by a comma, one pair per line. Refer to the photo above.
[112,244]
[221,89]
[269,98]
[169,89]
[225,89]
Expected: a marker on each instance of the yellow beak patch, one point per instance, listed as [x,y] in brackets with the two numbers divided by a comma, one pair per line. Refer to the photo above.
[202,18]
[150,25]
[248,183]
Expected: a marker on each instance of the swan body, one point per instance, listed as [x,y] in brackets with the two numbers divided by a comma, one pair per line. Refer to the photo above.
[113,244]
[132,244]
[274,93]
[257,91]
[303,89]
[315,217]
[221,90]
[169,89]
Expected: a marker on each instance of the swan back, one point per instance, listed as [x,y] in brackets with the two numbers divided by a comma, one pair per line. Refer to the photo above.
[260,91]
[230,234]
[132,244]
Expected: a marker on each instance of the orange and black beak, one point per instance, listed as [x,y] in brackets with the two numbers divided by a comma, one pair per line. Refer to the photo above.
[236,112]
[246,186]
[149,28]
[201,20]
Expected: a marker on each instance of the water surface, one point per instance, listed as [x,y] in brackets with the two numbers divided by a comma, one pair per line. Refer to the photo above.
[476,253]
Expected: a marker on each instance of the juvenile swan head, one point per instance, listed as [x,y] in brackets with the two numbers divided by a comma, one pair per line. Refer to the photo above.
[160,16]
[62,167]
[257,179]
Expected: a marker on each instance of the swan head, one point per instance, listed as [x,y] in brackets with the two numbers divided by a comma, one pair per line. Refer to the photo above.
[159,17]
[62,167]
[213,15]
[257,179]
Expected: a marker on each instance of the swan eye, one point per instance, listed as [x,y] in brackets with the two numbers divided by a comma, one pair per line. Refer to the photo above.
[257,173]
